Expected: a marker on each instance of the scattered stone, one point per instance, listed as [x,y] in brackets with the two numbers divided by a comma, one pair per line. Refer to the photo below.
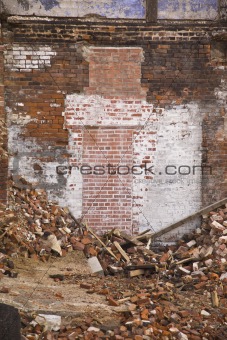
[205,313]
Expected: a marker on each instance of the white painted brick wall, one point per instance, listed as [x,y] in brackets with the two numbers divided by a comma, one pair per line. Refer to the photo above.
[28,58]
[171,137]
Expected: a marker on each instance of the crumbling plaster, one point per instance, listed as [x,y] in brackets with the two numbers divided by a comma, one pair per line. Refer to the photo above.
[130,9]
[188,9]
[134,9]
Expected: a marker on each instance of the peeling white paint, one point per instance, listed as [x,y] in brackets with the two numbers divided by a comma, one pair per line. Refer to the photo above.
[170,137]
[221,95]
[96,110]
[73,193]
[169,198]
[221,91]
[28,58]
[55,105]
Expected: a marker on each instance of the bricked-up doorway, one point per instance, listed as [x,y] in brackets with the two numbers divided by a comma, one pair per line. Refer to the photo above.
[112,120]
[107,188]
[103,124]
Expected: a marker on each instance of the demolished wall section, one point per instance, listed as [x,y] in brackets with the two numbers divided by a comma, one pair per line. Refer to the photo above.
[178,81]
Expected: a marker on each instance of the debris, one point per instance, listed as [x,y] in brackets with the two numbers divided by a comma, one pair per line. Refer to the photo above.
[136,272]
[50,322]
[154,291]
[4,290]
[214,299]
[53,243]
[93,329]
[95,265]
[122,252]
[103,244]
[205,313]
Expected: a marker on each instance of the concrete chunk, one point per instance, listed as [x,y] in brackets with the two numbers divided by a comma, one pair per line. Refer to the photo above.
[95,265]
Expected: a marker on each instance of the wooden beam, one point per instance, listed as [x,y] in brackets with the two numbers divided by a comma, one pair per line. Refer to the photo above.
[81,225]
[189,218]
[121,251]
[136,272]
[151,10]
[142,266]
[128,238]
[102,243]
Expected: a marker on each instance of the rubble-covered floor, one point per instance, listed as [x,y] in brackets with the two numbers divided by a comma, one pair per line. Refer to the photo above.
[139,308]
[33,290]
[135,292]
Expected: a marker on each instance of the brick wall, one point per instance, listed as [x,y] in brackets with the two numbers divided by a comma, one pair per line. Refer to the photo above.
[94,9]
[115,104]
[3,134]
[35,102]
[107,197]
[68,83]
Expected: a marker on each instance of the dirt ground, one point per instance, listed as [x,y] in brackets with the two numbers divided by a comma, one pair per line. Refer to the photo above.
[34,291]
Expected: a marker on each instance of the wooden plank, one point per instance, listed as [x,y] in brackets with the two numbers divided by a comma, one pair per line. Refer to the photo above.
[121,251]
[142,266]
[214,299]
[189,218]
[124,300]
[136,272]
[102,243]
[142,233]
[7,230]
[80,225]
[128,238]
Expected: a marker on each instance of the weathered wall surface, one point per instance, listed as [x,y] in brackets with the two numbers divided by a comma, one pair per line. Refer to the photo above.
[3,132]
[115,104]
[223,10]
[134,9]
[80,94]
[188,9]
[34,103]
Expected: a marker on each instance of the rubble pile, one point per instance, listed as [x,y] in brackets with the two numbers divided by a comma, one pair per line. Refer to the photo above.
[34,227]
[203,251]
[167,292]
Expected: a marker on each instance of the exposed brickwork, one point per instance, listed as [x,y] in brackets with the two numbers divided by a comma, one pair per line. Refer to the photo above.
[3,134]
[115,72]
[107,198]
[169,75]
[215,143]
[147,125]
[35,99]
